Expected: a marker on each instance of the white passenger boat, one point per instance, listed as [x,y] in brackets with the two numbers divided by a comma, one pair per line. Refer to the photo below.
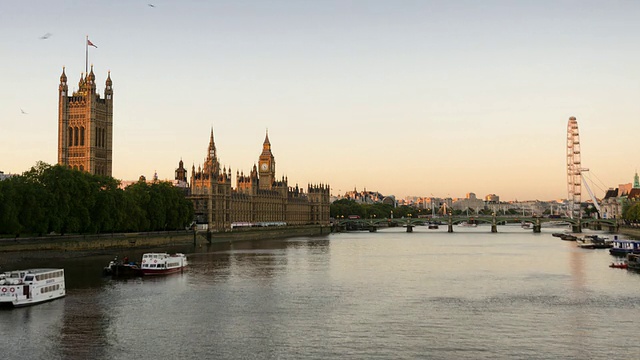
[31,286]
[163,263]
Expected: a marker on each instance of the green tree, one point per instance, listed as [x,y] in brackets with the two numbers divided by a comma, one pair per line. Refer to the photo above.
[10,206]
[57,199]
[631,211]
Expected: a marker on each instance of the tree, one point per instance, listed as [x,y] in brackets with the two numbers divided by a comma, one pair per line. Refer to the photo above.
[54,198]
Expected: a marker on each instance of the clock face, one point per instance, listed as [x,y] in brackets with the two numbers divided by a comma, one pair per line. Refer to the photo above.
[263,166]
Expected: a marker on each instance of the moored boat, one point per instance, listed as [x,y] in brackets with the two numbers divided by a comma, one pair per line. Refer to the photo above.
[163,263]
[122,269]
[624,247]
[593,242]
[621,265]
[568,237]
[633,261]
[31,286]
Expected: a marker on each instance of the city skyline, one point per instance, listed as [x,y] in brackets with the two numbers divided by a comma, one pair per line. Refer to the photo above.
[407,98]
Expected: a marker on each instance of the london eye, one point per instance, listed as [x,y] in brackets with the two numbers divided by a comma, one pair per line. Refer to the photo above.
[574,177]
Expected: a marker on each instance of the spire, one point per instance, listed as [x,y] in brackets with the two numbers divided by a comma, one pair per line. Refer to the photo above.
[108,82]
[636,181]
[91,75]
[266,138]
[266,146]
[63,77]
[212,146]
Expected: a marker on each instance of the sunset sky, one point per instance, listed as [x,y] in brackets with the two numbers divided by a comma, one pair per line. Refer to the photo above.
[406,98]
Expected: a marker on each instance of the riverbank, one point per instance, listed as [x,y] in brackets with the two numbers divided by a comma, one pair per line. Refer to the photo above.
[629,231]
[101,242]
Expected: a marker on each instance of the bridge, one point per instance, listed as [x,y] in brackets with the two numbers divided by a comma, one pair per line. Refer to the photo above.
[536,222]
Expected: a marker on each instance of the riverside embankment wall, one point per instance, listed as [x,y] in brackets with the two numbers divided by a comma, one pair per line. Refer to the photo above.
[153,239]
[629,231]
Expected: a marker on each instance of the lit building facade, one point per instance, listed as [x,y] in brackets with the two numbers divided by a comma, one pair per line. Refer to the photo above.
[85,125]
[258,197]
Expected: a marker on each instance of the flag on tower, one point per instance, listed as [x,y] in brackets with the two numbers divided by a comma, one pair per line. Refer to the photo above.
[89,43]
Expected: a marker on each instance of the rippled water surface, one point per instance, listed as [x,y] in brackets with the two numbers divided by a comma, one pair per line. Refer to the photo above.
[385,295]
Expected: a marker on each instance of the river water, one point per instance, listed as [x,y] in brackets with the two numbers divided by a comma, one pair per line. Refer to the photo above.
[386,295]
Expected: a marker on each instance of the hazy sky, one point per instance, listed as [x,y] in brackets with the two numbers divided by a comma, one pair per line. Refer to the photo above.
[401,97]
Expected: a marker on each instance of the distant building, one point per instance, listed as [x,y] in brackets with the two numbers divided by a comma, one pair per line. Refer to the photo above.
[469,202]
[85,125]
[4,176]
[611,205]
[259,197]
[389,200]
[492,199]
[364,197]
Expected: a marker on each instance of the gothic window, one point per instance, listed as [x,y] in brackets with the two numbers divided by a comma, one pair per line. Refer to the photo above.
[70,137]
[75,136]
[104,138]
[82,136]
[97,137]
[81,167]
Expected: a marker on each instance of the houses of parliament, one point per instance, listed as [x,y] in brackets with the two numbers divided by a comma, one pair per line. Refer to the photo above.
[85,125]
[85,143]
[258,198]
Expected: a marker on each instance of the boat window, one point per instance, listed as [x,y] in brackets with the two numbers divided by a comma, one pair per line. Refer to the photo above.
[28,278]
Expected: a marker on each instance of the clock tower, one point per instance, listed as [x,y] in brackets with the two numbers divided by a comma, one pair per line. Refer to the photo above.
[266,165]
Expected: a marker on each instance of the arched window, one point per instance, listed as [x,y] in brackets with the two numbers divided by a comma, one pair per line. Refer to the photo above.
[75,167]
[81,167]
[104,138]
[82,136]
[75,136]
[70,136]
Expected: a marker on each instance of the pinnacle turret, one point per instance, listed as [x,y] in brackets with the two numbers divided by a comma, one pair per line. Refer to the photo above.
[63,77]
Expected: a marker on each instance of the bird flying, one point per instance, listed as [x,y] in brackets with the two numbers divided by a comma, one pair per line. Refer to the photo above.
[23,112]
[151,5]
[45,36]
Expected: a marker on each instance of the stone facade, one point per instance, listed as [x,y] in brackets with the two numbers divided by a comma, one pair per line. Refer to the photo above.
[258,198]
[85,125]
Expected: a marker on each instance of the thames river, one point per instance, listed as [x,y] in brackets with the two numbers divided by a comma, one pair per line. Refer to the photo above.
[386,295]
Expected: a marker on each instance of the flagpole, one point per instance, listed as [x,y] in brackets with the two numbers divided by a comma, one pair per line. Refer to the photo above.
[86,55]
